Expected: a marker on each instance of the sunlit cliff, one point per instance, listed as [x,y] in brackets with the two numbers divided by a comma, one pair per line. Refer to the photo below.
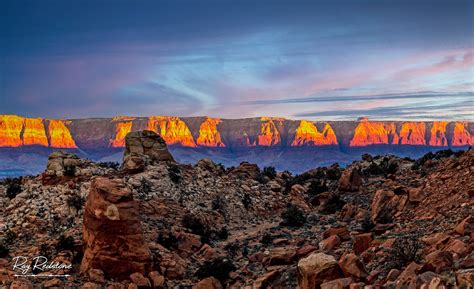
[438,134]
[413,133]
[209,136]
[121,130]
[172,129]
[307,134]
[59,135]
[269,134]
[461,135]
[17,131]
[373,133]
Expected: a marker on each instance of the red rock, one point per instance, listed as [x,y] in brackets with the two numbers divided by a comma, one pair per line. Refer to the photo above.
[361,242]
[415,195]
[208,283]
[90,285]
[341,283]
[439,261]
[157,280]
[434,238]
[465,278]
[457,246]
[96,275]
[410,272]
[281,256]
[187,243]
[466,226]
[352,266]
[265,281]
[329,243]
[140,280]
[316,269]
[172,266]
[305,250]
[342,232]
[350,180]
[112,231]
[385,204]
[21,284]
[393,274]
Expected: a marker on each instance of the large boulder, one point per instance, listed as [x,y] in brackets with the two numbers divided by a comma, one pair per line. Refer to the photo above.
[316,269]
[350,180]
[63,166]
[144,148]
[386,204]
[246,171]
[112,232]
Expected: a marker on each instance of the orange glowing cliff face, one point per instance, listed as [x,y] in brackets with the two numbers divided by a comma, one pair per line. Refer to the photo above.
[307,134]
[172,130]
[121,130]
[413,133]
[438,134]
[209,136]
[373,133]
[34,132]
[461,135]
[10,130]
[269,134]
[59,135]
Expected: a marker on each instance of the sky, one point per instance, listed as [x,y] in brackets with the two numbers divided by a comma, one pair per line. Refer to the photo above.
[316,60]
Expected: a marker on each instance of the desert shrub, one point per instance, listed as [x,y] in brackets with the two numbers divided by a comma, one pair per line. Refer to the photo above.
[144,188]
[109,165]
[223,233]
[75,201]
[174,172]
[267,239]
[406,249]
[334,172]
[218,203]
[269,172]
[9,237]
[386,167]
[246,201]
[169,241]
[317,187]
[434,156]
[195,225]
[333,204]
[231,248]
[13,187]
[385,217]
[4,250]
[218,268]
[65,243]
[366,223]
[293,217]
[70,171]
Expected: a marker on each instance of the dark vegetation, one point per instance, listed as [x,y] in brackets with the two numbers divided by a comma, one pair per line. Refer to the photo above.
[65,243]
[75,201]
[13,187]
[174,172]
[109,165]
[70,171]
[385,167]
[366,223]
[198,227]
[333,204]
[219,268]
[435,156]
[406,249]
[293,217]
[269,172]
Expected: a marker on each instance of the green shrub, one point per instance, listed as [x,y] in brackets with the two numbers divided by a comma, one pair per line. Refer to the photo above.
[269,172]
[293,217]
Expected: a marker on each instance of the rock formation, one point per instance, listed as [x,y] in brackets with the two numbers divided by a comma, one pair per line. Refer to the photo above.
[144,148]
[113,235]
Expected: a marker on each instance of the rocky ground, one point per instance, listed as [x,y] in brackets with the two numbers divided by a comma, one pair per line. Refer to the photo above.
[383,222]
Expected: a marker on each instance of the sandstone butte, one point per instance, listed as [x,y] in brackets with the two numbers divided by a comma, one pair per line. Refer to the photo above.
[121,130]
[172,129]
[374,132]
[307,134]
[209,136]
[461,135]
[438,134]
[16,131]
[413,133]
[269,134]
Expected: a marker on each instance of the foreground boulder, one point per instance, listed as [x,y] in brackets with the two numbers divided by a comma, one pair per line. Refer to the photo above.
[350,180]
[112,231]
[316,269]
[63,166]
[144,148]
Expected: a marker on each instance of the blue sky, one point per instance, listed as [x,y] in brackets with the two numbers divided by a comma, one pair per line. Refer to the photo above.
[231,59]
